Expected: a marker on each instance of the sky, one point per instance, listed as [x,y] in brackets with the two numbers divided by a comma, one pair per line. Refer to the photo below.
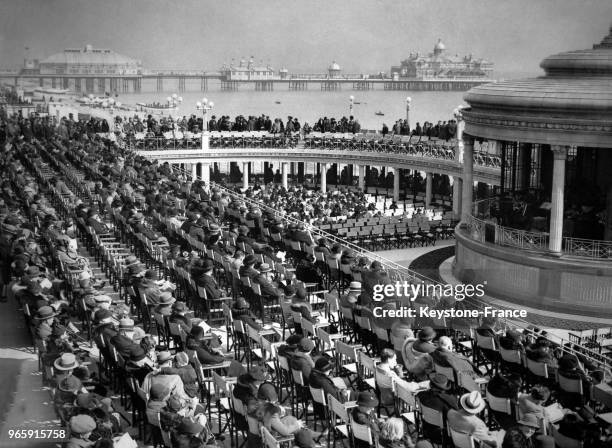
[305,36]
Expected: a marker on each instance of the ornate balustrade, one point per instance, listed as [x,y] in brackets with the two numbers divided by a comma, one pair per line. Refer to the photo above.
[489,232]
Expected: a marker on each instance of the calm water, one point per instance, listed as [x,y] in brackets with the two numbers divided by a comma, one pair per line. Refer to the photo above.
[311,104]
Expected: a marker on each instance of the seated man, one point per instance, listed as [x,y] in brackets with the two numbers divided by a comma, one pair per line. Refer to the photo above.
[466,420]
[241,311]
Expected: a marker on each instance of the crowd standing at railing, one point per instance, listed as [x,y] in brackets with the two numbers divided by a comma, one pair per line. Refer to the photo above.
[170,246]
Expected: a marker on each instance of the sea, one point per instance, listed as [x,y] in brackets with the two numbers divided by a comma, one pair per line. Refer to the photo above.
[310,105]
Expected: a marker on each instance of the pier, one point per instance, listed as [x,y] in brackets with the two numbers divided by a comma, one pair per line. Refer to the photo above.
[190,81]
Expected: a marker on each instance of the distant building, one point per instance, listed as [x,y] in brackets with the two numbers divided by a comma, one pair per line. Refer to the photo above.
[440,65]
[89,61]
[334,70]
[248,72]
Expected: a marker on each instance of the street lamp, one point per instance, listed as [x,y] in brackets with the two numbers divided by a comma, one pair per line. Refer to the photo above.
[205,106]
[458,114]
[408,101]
[174,100]
[351,102]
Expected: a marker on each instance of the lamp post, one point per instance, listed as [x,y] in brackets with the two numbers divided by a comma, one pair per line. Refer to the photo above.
[205,106]
[408,101]
[351,102]
[174,100]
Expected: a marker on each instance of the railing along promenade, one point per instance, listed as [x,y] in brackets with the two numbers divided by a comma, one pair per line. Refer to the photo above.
[486,231]
[417,146]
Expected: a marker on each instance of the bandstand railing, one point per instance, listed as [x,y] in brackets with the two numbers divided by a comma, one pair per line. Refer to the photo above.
[486,231]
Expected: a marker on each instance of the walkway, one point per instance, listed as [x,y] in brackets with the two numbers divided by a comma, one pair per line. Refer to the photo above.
[24,402]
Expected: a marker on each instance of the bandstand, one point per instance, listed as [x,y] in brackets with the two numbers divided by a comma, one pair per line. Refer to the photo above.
[546,240]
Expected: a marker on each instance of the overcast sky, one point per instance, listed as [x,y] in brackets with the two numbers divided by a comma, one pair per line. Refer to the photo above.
[305,36]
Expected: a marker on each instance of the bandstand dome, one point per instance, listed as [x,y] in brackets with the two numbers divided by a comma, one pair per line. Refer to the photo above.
[334,66]
[570,105]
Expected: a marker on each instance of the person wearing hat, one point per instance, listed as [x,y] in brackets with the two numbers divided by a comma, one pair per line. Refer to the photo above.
[159,379]
[189,433]
[101,302]
[437,397]
[264,280]
[533,402]
[247,386]
[123,341]
[45,321]
[243,232]
[196,230]
[321,378]
[302,359]
[158,397]
[299,304]
[241,311]
[247,269]
[207,281]
[68,388]
[322,247]
[351,298]
[178,316]
[196,343]
[186,372]
[370,278]
[164,306]
[465,420]
[290,346]
[81,427]
[214,235]
[424,343]
[364,414]
[153,287]
[303,235]
[104,324]
[444,356]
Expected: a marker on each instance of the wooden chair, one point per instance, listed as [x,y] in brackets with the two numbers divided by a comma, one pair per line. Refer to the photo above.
[339,420]
[461,440]
[269,441]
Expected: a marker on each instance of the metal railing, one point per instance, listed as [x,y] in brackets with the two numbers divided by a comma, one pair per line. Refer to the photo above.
[415,146]
[579,247]
[526,240]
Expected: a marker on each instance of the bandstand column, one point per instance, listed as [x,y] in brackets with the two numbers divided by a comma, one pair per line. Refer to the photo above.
[323,177]
[558,187]
[205,175]
[468,177]
[396,184]
[457,192]
[194,171]
[245,175]
[428,189]
[362,171]
[285,172]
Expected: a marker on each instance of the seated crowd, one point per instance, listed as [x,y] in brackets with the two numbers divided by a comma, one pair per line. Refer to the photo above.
[184,264]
